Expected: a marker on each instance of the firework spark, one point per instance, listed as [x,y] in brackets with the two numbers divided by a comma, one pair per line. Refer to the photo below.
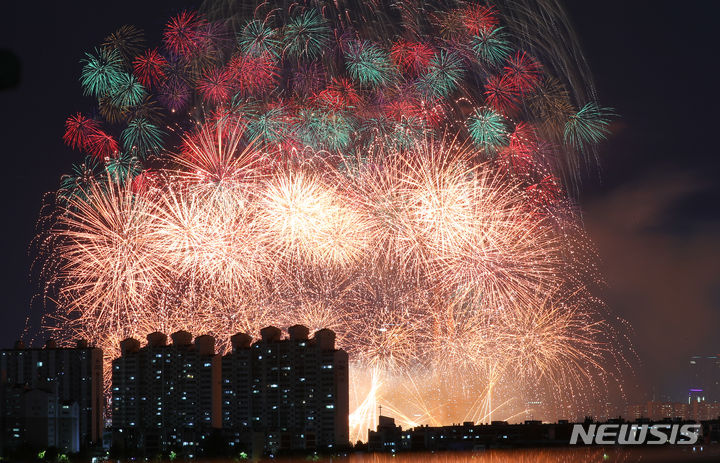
[407,193]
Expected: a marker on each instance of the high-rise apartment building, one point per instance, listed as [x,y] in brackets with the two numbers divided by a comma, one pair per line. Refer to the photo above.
[269,395]
[165,397]
[289,393]
[51,396]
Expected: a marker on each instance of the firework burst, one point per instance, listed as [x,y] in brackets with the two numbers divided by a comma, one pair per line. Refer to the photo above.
[336,170]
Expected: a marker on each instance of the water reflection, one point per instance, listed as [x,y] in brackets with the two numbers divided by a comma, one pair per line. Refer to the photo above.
[665,454]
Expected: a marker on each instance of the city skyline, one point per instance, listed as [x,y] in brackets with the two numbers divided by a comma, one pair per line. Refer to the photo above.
[698,385]
[272,395]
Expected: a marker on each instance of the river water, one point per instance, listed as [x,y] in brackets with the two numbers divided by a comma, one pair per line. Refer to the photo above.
[665,454]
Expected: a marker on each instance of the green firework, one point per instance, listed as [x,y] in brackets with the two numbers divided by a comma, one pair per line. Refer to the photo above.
[127,91]
[142,137]
[487,129]
[408,132]
[101,72]
[123,168]
[270,126]
[402,134]
[588,126]
[257,39]
[444,73]
[325,130]
[368,64]
[306,35]
[491,46]
[76,184]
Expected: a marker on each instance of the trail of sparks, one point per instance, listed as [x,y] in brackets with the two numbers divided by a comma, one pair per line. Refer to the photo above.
[432,270]
[402,182]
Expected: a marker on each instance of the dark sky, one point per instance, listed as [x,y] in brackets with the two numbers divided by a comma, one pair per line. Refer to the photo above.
[652,211]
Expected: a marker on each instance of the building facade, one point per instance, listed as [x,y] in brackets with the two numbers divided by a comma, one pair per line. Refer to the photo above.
[51,397]
[165,397]
[389,437]
[695,410]
[704,378]
[289,393]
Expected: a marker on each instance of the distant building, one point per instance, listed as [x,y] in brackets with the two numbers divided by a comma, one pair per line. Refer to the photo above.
[389,437]
[662,410]
[51,397]
[165,397]
[704,377]
[636,411]
[290,394]
[695,411]
[386,437]
[37,418]
[500,434]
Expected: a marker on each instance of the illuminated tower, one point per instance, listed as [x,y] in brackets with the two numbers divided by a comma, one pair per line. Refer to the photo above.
[166,397]
[291,392]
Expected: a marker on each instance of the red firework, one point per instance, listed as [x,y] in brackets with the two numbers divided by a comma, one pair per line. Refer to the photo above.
[501,93]
[520,154]
[411,57]
[149,68]
[253,75]
[182,33]
[227,120]
[215,86]
[408,106]
[480,18]
[145,182]
[523,71]
[524,137]
[545,192]
[102,146]
[79,130]
[397,108]
[340,94]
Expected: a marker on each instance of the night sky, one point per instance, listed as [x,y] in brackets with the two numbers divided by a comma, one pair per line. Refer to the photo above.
[652,210]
